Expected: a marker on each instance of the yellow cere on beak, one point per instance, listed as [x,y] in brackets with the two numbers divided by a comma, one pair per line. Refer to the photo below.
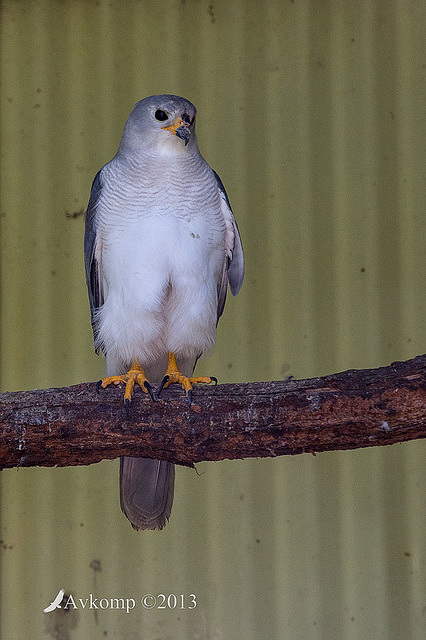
[175,125]
[180,128]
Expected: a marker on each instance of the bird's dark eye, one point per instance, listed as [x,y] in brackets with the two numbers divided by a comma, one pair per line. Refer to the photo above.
[161,115]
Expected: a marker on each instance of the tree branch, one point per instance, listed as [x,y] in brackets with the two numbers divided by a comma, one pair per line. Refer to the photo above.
[75,425]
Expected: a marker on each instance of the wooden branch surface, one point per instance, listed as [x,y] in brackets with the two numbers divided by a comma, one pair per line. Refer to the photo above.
[76,425]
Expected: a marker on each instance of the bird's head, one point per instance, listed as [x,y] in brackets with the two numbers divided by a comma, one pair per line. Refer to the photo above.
[163,123]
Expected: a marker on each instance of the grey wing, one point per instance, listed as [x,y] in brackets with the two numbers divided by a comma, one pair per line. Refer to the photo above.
[92,265]
[233,267]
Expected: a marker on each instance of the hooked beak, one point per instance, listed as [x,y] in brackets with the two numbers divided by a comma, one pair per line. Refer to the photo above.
[180,127]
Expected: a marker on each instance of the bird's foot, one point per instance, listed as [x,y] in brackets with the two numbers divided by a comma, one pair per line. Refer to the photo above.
[135,375]
[174,376]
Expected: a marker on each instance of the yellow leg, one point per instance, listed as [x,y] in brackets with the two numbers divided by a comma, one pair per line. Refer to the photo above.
[135,375]
[174,376]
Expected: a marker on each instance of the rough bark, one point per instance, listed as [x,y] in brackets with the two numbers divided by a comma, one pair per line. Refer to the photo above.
[76,425]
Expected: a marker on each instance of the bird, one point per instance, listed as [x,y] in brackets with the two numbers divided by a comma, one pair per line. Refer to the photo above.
[56,603]
[161,245]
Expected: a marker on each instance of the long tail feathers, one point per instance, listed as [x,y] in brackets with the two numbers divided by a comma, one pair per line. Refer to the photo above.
[146,491]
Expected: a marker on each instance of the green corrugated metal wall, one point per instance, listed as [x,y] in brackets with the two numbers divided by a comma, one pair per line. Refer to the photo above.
[313,113]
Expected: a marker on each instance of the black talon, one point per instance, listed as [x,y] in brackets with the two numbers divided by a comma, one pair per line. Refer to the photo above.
[213,379]
[149,389]
[98,386]
[127,403]
[189,396]
[163,382]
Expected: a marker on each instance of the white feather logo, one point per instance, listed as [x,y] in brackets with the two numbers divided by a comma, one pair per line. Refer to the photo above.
[56,604]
